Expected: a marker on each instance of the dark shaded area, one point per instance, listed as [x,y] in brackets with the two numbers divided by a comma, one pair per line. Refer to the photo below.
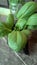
[32,40]
[26,50]
[3,5]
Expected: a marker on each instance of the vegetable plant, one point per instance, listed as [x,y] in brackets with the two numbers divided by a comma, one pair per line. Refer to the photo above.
[18,32]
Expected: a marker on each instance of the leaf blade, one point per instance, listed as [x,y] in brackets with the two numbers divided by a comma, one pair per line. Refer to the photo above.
[4,30]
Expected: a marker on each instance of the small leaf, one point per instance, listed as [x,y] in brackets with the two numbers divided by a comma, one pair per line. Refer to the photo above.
[20,23]
[26,32]
[3,29]
[10,21]
[32,27]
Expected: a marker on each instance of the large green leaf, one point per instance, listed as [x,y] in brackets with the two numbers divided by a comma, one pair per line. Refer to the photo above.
[4,30]
[27,10]
[17,40]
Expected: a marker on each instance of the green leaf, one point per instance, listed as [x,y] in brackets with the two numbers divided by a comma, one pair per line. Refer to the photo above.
[14,1]
[17,40]
[4,30]
[26,32]
[32,20]
[10,21]
[32,27]
[27,10]
[20,24]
